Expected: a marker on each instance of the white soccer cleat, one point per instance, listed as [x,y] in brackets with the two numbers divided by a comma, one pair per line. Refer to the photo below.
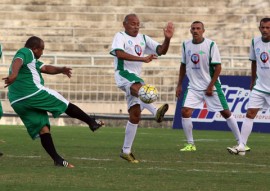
[237,150]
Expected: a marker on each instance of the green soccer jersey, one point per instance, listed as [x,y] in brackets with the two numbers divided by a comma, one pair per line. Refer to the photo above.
[29,80]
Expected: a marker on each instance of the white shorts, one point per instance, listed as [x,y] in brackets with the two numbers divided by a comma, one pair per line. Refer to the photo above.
[196,99]
[258,100]
[124,81]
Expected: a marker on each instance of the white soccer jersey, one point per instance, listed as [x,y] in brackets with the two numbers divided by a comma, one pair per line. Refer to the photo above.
[137,46]
[200,60]
[259,52]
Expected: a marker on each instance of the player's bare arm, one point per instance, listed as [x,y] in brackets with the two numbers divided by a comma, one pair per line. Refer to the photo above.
[16,66]
[125,56]
[168,33]
[182,73]
[210,88]
[253,73]
[48,69]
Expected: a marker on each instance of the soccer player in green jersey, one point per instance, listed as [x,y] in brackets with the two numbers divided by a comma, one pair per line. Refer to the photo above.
[31,100]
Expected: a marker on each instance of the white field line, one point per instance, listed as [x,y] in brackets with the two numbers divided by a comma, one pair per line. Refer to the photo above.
[179,170]
[20,156]
[150,161]
[91,159]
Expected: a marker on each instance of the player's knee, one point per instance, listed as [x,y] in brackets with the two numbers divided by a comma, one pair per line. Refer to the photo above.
[44,130]
[251,114]
[186,112]
[226,113]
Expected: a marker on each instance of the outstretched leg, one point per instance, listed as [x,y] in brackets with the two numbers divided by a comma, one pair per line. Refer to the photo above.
[75,112]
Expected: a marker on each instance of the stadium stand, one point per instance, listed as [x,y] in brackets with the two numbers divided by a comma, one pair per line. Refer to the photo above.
[79,33]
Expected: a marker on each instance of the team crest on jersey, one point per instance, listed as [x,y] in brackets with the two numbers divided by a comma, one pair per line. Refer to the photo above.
[264,57]
[195,58]
[138,50]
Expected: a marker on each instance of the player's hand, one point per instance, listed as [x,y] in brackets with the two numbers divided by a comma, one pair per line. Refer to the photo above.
[67,71]
[8,80]
[149,58]
[169,30]
[209,91]
[178,91]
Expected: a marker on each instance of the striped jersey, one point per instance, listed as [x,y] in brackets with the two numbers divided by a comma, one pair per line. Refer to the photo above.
[200,60]
[137,46]
[29,80]
[260,52]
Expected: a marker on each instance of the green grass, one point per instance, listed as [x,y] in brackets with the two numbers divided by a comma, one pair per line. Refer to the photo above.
[25,165]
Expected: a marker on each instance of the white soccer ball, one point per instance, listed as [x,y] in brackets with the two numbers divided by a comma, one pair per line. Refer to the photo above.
[148,93]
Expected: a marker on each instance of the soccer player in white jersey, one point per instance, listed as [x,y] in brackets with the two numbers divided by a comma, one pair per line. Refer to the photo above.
[32,101]
[202,64]
[129,48]
[259,97]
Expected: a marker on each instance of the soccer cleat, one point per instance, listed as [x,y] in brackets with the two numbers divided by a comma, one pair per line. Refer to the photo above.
[247,148]
[161,112]
[1,154]
[237,150]
[63,163]
[129,157]
[95,124]
[189,147]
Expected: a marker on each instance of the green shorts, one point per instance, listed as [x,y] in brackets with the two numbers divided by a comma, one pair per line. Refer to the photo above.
[33,110]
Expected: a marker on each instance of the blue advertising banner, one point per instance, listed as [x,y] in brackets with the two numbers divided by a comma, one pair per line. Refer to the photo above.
[236,90]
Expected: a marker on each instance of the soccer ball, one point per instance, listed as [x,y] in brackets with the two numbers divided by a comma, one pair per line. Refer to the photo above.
[148,93]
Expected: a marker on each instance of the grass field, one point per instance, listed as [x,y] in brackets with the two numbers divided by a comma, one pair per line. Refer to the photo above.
[25,165]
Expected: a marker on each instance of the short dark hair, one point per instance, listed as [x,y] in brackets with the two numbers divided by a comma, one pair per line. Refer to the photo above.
[200,22]
[129,15]
[33,42]
[264,20]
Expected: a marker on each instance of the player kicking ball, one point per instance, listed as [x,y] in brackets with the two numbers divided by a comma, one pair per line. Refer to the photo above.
[31,100]
[129,48]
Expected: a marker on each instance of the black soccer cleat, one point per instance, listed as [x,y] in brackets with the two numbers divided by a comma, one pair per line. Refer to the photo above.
[95,124]
[63,163]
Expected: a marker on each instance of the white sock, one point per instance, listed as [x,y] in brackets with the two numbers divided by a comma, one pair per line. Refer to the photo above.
[187,127]
[130,133]
[246,129]
[232,123]
[150,107]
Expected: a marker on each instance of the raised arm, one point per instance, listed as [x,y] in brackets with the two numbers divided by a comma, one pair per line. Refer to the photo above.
[168,33]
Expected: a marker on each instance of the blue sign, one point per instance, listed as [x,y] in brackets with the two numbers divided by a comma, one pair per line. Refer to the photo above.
[236,91]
